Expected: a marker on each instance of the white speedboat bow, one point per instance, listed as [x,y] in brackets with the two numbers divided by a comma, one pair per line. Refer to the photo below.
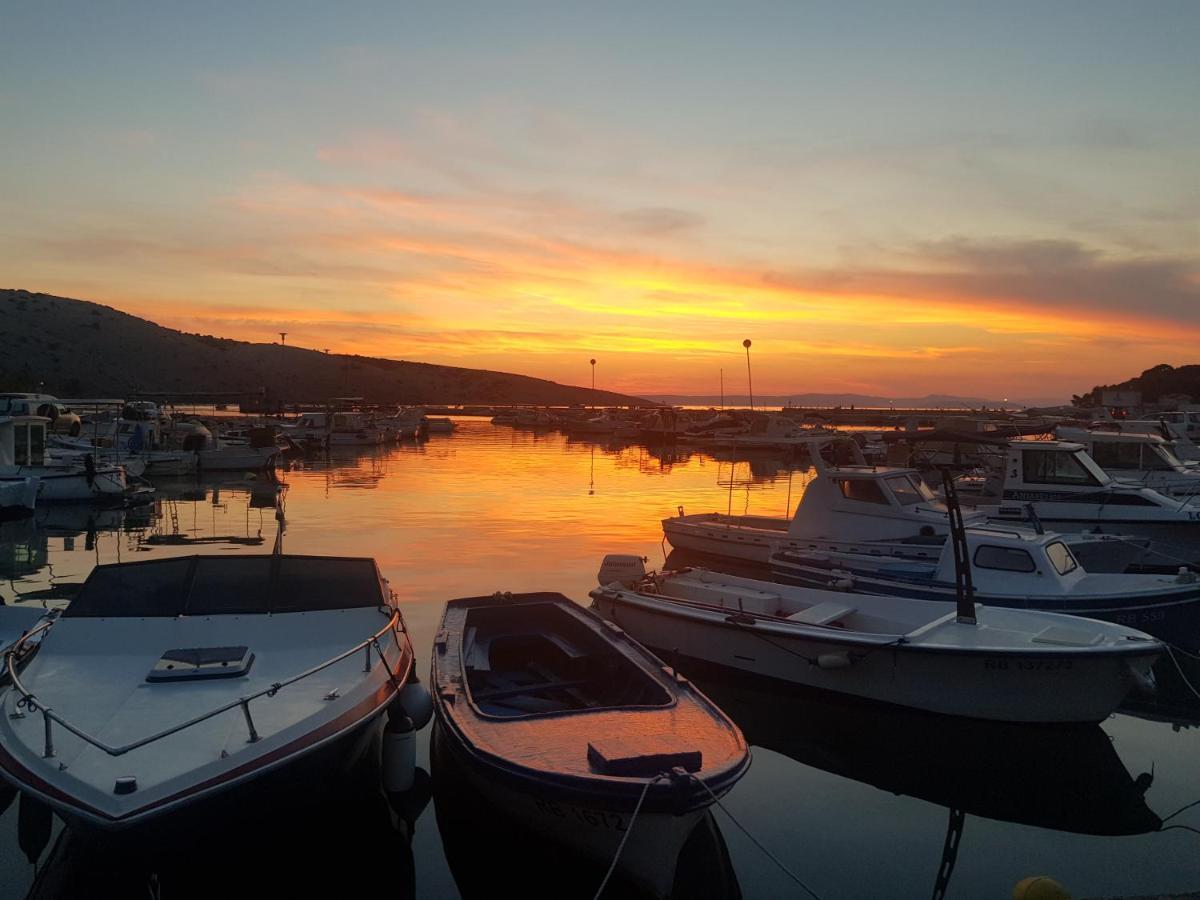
[169,681]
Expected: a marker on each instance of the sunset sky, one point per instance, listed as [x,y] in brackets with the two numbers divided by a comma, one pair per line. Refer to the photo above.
[995,199]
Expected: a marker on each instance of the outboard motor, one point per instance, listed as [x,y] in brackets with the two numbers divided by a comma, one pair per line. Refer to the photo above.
[622,568]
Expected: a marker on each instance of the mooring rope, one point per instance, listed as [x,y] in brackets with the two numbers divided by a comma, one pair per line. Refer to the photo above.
[1178,668]
[621,846]
[771,856]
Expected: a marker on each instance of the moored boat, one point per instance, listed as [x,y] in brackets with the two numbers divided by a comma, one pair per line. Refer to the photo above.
[165,683]
[1012,568]
[572,726]
[953,658]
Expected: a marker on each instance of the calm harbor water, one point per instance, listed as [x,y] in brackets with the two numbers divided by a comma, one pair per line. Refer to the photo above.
[857,801]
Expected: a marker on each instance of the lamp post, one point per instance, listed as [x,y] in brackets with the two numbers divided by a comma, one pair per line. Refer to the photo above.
[593,384]
[749,380]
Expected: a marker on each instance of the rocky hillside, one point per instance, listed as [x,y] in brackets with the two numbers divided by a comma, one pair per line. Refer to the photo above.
[1154,384]
[80,349]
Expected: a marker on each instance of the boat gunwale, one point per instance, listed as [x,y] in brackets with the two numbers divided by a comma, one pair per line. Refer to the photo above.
[612,792]
[781,627]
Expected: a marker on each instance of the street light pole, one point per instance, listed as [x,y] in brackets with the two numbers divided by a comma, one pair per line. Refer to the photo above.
[749,380]
[593,384]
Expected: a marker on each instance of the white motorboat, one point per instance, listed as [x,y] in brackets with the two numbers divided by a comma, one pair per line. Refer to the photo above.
[170,681]
[1140,457]
[858,508]
[214,455]
[1012,568]
[353,429]
[1063,487]
[766,432]
[956,658]
[572,727]
[23,455]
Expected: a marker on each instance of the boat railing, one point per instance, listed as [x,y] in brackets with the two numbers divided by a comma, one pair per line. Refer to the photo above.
[29,702]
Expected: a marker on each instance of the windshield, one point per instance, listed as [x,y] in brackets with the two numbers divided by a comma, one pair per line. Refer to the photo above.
[910,489]
[1061,557]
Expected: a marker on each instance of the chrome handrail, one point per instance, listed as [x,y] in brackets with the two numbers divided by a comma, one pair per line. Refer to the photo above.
[30,702]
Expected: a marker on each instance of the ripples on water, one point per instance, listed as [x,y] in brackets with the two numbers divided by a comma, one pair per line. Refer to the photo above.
[855,800]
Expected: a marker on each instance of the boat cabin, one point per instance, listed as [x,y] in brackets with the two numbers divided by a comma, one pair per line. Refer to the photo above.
[22,441]
[1127,454]
[869,503]
[1014,562]
[349,421]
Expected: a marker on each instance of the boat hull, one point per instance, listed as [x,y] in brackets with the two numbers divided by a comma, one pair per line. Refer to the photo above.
[1008,687]
[71,485]
[236,459]
[578,821]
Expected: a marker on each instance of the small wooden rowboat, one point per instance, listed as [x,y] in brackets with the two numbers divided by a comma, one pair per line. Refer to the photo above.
[567,723]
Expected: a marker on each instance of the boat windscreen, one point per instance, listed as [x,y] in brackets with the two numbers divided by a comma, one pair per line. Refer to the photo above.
[224,585]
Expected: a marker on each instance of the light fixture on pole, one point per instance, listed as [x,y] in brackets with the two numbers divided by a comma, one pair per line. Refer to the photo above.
[749,380]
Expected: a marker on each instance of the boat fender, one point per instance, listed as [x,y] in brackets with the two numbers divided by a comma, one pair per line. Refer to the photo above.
[414,702]
[399,754]
[833,661]
[1143,681]
[844,583]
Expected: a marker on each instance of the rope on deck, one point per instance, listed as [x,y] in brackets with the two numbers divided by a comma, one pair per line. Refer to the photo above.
[771,856]
[621,846]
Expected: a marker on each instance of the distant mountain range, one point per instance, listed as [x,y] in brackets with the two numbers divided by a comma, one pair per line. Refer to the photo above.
[929,401]
[73,348]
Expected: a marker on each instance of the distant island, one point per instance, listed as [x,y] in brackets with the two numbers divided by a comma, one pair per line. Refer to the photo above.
[74,348]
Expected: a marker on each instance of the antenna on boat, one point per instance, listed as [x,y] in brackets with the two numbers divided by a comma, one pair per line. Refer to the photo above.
[963,589]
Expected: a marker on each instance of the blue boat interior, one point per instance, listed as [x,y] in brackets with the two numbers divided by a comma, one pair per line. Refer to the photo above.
[539,659]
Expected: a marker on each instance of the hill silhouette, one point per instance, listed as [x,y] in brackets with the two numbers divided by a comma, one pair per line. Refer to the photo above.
[75,348]
[1154,383]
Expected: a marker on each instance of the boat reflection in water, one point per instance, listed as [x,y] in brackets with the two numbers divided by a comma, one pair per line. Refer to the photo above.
[299,835]
[1062,777]
[484,845]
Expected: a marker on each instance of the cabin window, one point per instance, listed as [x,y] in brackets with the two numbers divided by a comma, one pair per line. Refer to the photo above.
[1055,467]
[910,489]
[1061,557]
[862,489]
[1111,455]
[21,444]
[1008,559]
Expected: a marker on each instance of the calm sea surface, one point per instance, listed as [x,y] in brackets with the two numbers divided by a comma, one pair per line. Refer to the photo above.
[856,801]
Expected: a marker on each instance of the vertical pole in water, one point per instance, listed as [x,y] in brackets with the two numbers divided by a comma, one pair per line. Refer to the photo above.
[722,390]
[963,589]
[593,384]
[749,380]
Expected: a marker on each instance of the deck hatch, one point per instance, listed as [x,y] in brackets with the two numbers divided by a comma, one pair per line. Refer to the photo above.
[201,663]
[642,756]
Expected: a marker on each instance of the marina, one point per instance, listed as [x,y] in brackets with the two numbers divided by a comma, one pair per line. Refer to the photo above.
[855,798]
